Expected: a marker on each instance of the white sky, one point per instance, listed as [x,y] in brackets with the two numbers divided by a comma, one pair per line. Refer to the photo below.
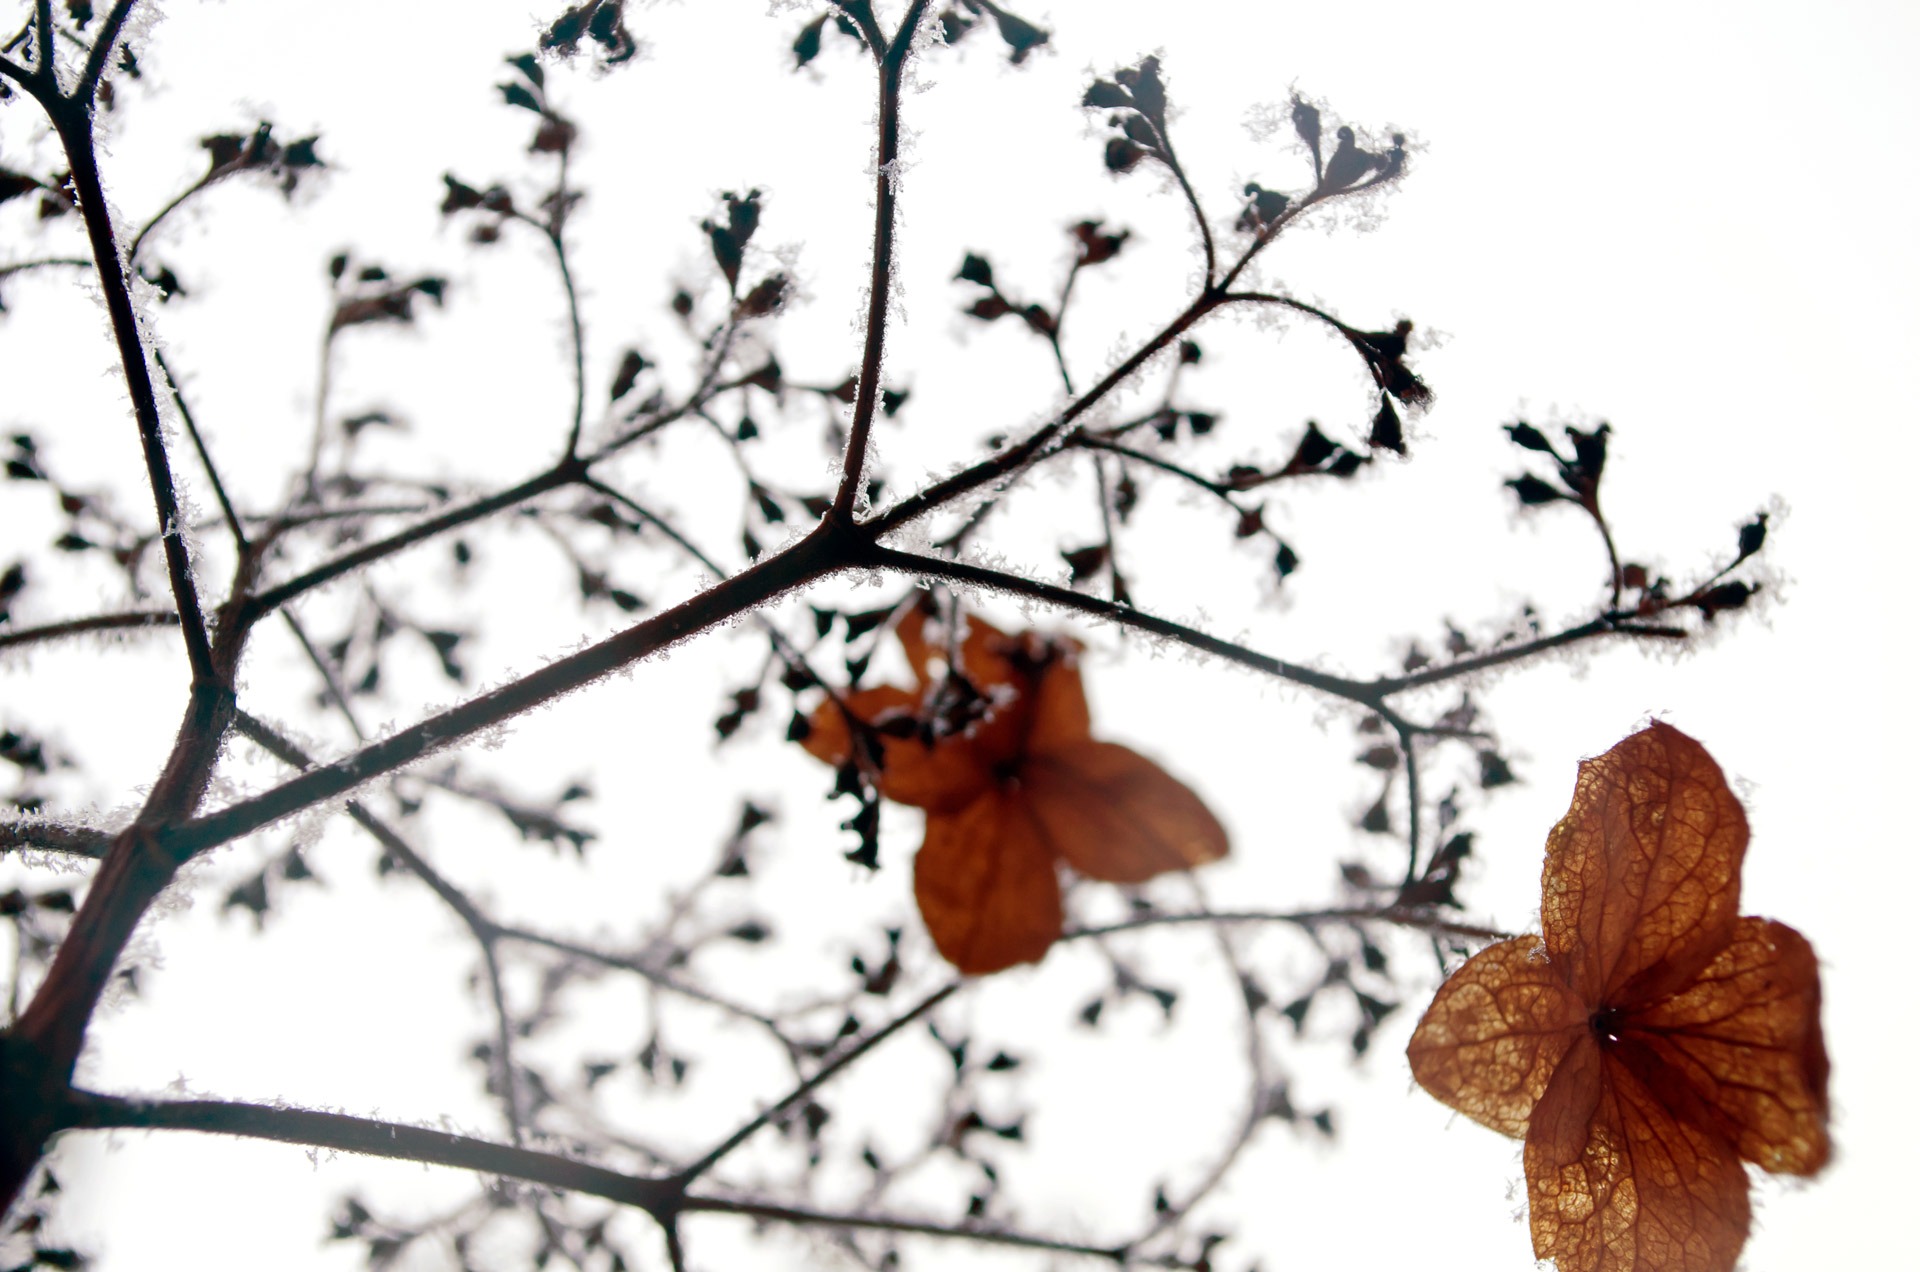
[1692,221]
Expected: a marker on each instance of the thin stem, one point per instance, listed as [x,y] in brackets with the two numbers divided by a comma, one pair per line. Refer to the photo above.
[1103,493]
[506,1072]
[1413,800]
[1257,1097]
[1591,503]
[685,544]
[573,323]
[1126,616]
[263,603]
[660,1199]
[1271,231]
[826,1074]
[19,969]
[676,1252]
[861,15]
[369,1136]
[710,387]
[102,49]
[206,460]
[1086,441]
[48,262]
[136,620]
[567,472]
[765,1213]
[1605,625]
[335,689]
[483,929]
[47,836]
[880,283]
[280,522]
[1288,302]
[1059,321]
[1193,200]
[74,124]
[44,65]
[811,559]
[788,652]
[653,975]
[1418,920]
[1016,457]
[322,396]
[153,222]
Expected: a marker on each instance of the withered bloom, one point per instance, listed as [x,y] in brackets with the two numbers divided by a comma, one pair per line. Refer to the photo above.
[997,748]
[1652,1037]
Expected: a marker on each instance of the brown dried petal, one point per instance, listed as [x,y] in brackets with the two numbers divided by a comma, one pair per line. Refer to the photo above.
[1114,815]
[1060,717]
[946,775]
[1490,1041]
[1746,1037]
[986,884]
[1617,1183]
[1642,881]
[982,652]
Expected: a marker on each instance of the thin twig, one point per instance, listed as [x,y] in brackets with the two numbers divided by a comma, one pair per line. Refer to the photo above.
[799,1216]
[1605,625]
[48,262]
[1406,736]
[647,971]
[827,1071]
[1005,463]
[578,337]
[1186,189]
[660,1199]
[370,1136]
[135,620]
[48,836]
[1124,615]
[166,209]
[44,63]
[484,930]
[102,49]
[336,690]
[1418,920]
[263,603]
[206,460]
[1257,1096]
[893,61]
[75,128]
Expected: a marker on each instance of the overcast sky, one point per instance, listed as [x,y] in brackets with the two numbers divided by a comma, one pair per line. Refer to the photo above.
[1692,221]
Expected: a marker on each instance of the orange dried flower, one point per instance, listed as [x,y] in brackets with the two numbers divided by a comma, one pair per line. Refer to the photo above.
[1652,1038]
[998,750]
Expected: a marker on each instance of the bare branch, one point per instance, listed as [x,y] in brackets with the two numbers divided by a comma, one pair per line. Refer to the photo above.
[103,45]
[48,262]
[1122,615]
[1605,625]
[984,1235]
[264,603]
[810,559]
[49,836]
[1006,463]
[880,284]
[206,460]
[75,127]
[371,1137]
[134,620]
[834,1065]
[1419,920]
